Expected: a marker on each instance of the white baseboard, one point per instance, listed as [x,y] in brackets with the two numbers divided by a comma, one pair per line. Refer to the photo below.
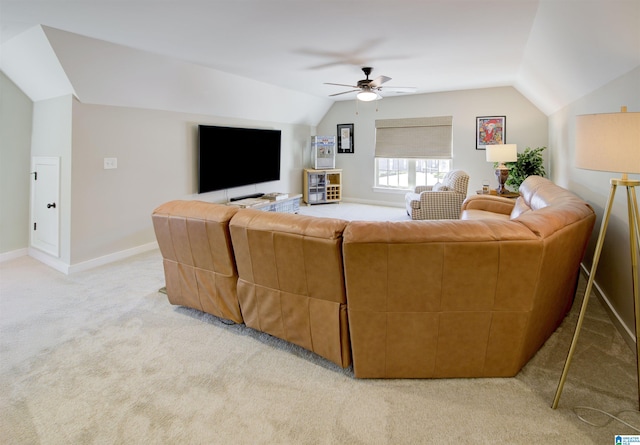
[374,203]
[7,256]
[116,256]
[67,269]
[626,333]
[49,260]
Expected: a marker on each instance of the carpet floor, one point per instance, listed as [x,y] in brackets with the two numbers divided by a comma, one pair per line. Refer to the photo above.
[101,357]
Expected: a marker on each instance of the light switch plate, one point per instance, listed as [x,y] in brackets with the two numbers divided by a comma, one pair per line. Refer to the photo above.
[110,163]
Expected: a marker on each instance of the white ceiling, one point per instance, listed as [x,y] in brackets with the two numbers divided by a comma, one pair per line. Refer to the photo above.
[552,51]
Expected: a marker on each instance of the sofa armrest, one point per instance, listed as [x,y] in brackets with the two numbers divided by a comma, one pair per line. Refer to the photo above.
[489,203]
[423,188]
[440,205]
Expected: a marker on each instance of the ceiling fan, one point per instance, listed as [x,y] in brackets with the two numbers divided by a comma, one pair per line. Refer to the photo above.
[368,89]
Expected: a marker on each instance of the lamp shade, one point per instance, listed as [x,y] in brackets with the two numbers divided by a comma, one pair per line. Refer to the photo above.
[502,153]
[608,142]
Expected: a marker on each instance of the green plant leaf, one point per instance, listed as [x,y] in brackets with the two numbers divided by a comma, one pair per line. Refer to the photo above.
[530,162]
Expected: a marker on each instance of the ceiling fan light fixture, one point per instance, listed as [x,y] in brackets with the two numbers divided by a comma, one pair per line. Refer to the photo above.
[367,95]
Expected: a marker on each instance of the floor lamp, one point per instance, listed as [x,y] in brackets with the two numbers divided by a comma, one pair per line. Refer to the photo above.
[610,142]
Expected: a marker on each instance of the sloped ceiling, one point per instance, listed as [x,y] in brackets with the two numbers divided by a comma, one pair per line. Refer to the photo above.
[552,51]
[30,62]
[110,74]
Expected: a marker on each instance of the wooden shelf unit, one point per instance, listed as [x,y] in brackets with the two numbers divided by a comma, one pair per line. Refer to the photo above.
[322,186]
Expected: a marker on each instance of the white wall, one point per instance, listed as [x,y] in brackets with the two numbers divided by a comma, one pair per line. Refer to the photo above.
[157,162]
[525,125]
[16,111]
[613,277]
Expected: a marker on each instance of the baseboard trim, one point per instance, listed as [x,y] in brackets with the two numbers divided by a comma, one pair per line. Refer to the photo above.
[626,333]
[12,255]
[90,264]
[112,257]
[50,261]
[374,203]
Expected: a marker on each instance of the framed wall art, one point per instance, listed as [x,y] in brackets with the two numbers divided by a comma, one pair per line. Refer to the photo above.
[345,138]
[490,130]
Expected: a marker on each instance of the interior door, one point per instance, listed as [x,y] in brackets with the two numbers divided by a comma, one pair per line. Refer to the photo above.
[45,204]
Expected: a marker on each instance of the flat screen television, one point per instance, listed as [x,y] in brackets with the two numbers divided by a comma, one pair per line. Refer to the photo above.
[231,157]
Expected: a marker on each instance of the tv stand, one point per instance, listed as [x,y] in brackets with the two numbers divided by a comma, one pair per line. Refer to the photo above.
[253,195]
[291,204]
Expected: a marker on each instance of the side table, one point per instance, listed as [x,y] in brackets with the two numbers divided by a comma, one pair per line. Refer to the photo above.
[494,193]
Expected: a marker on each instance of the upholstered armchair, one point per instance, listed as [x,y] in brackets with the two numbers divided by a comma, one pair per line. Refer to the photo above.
[440,201]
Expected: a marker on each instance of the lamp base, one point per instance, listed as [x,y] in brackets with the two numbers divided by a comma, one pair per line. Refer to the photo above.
[501,175]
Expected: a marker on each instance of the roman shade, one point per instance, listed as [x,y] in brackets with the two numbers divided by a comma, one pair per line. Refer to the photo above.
[422,137]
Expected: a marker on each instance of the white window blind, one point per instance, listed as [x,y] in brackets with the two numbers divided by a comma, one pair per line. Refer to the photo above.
[422,137]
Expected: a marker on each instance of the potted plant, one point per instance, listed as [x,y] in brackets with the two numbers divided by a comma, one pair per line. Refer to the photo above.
[530,162]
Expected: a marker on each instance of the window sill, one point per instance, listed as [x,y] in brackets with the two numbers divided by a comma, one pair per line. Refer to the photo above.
[391,191]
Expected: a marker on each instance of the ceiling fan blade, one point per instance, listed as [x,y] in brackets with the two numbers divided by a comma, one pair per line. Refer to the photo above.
[344,92]
[400,89]
[341,85]
[379,81]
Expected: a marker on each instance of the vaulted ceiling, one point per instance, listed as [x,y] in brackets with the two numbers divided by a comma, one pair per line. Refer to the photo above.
[552,51]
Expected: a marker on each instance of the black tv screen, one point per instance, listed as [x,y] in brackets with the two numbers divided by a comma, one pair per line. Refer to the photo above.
[231,157]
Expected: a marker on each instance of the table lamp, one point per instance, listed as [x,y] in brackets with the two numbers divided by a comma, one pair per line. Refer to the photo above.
[502,153]
[610,142]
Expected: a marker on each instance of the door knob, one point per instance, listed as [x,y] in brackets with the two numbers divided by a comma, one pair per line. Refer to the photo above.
[53,204]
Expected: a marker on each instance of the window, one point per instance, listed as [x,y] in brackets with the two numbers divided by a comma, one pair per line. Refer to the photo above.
[408,173]
[412,152]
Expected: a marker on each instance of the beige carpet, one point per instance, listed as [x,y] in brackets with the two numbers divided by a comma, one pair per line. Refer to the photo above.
[101,357]
[352,211]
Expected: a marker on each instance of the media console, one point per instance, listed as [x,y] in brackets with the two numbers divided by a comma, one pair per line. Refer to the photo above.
[290,204]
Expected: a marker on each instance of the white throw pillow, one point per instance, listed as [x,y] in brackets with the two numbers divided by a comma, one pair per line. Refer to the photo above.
[519,208]
[439,187]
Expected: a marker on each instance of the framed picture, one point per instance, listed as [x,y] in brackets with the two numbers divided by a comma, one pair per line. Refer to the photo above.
[345,138]
[490,130]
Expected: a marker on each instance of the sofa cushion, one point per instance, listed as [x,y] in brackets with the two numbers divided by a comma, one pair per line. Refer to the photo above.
[483,214]
[486,207]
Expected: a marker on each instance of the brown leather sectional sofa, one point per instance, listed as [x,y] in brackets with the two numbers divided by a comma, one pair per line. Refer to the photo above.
[475,297]
[291,279]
